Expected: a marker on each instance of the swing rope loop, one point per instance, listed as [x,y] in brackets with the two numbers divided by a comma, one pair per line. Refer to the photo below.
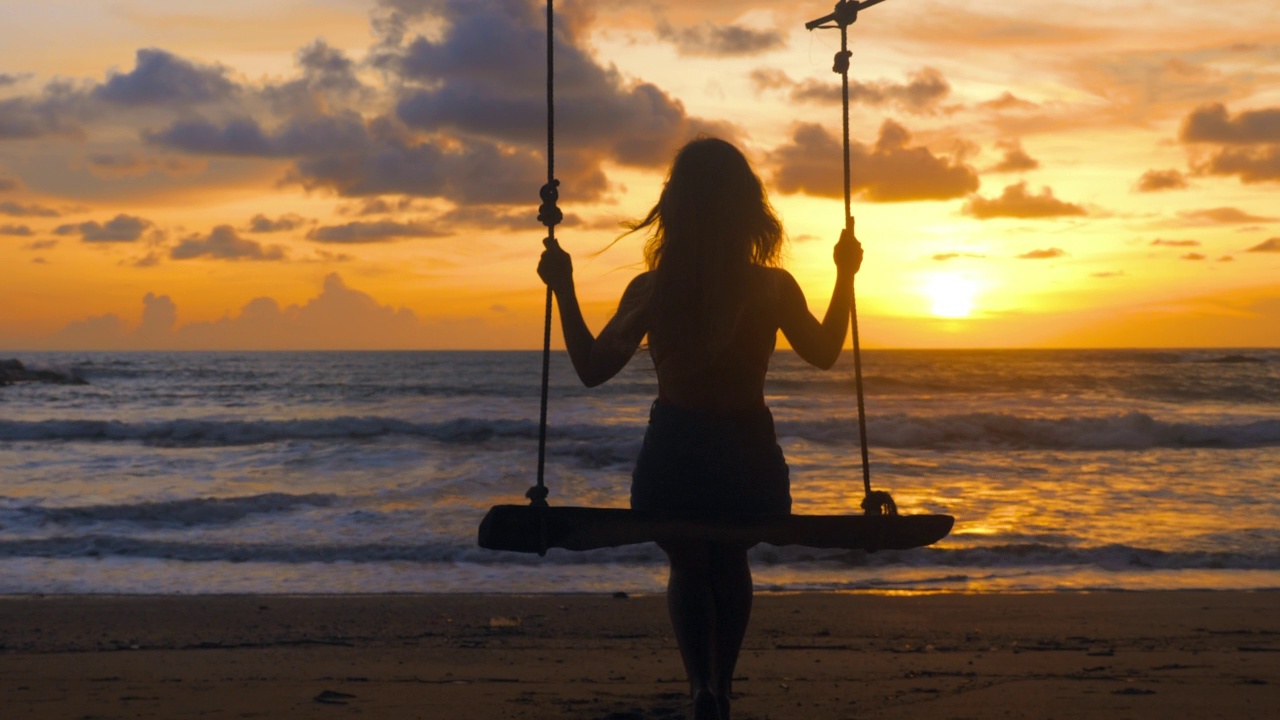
[874,502]
[549,215]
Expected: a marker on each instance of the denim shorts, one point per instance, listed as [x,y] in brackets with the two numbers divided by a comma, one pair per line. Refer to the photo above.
[706,465]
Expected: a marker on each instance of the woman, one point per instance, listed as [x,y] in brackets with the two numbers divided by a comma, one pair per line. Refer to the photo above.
[711,303]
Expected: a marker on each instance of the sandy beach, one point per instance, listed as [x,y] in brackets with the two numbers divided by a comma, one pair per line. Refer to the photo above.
[1113,655]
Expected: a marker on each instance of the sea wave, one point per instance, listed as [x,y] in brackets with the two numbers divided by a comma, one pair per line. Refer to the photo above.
[1112,557]
[177,513]
[606,443]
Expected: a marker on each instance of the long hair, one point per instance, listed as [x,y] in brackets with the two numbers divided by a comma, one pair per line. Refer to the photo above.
[711,223]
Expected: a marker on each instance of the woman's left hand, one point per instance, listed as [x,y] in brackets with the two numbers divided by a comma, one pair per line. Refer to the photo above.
[555,267]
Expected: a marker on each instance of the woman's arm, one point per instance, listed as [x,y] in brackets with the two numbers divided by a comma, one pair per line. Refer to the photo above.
[819,344]
[595,359]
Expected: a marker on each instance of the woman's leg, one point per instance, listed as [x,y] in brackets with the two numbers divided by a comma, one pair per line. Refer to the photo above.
[732,589]
[692,605]
[709,598]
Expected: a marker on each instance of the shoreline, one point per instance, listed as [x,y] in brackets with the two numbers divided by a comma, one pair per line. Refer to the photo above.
[1137,654]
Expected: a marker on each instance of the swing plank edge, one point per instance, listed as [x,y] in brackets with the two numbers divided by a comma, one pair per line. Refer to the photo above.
[521,528]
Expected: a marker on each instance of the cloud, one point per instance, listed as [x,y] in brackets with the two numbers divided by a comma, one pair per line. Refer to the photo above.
[1016,202]
[1247,144]
[1251,165]
[1107,274]
[1193,256]
[1044,254]
[40,245]
[327,74]
[1214,124]
[16,230]
[1157,180]
[223,243]
[1015,158]
[339,317]
[121,228]
[159,316]
[484,79]
[943,257]
[924,90]
[160,77]
[1268,245]
[133,164]
[891,171]
[719,40]
[1160,242]
[262,224]
[7,79]
[9,184]
[1008,101]
[375,232]
[766,78]
[52,113]
[1224,215]
[17,209]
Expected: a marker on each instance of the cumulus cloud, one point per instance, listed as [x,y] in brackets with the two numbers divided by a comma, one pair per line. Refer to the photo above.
[1268,245]
[52,113]
[891,171]
[359,232]
[1251,165]
[484,79]
[262,224]
[1214,124]
[1157,180]
[1017,202]
[7,79]
[1161,242]
[924,90]
[1044,254]
[121,228]
[16,230]
[223,243]
[326,74]
[719,40]
[17,209]
[160,77]
[1223,215]
[1245,145]
[1015,158]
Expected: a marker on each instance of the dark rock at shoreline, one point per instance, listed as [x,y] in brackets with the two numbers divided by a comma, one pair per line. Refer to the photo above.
[13,371]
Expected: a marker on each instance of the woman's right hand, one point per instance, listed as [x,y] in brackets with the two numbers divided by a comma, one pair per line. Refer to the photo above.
[555,267]
[848,252]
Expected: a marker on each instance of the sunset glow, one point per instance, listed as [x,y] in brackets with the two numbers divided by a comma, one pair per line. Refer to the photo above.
[364,173]
[950,296]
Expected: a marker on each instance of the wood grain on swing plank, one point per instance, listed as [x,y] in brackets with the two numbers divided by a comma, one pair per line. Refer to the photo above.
[523,528]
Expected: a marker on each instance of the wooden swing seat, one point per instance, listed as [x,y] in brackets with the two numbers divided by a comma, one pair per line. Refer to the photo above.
[532,529]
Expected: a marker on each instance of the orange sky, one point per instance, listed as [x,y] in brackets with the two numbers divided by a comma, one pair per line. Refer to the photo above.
[364,173]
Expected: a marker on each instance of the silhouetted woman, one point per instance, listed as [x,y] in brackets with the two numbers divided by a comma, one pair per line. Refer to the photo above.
[711,304]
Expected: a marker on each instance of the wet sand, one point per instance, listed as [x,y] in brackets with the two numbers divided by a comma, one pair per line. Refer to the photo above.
[811,656]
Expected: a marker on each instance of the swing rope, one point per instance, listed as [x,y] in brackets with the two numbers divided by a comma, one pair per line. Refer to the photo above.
[550,216]
[875,502]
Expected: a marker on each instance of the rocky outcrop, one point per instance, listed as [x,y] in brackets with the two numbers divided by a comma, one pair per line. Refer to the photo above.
[13,371]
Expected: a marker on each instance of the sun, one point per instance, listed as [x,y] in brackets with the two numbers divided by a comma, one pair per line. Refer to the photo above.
[950,295]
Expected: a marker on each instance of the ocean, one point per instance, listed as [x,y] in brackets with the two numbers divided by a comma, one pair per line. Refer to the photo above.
[368,472]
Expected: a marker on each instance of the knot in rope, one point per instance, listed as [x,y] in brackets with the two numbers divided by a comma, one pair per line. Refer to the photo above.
[878,502]
[846,13]
[841,65]
[548,213]
[537,495]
